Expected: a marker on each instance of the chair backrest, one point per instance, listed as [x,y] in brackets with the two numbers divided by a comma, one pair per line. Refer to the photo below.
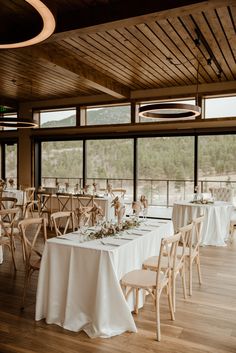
[118,192]
[36,228]
[187,235]
[83,209]
[7,202]
[168,250]
[222,194]
[197,229]
[29,194]
[8,218]
[96,213]
[65,201]
[44,202]
[85,201]
[61,221]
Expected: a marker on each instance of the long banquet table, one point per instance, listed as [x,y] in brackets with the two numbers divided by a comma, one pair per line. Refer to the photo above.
[60,202]
[78,285]
[215,229]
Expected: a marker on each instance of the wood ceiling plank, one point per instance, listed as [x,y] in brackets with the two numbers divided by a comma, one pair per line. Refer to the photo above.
[140,64]
[212,31]
[150,51]
[118,54]
[88,75]
[90,54]
[180,39]
[199,21]
[200,51]
[128,19]
[152,33]
[227,17]
[50,81]
[39,73]
[178,51]
[183,34]
[109,53]
[145,55]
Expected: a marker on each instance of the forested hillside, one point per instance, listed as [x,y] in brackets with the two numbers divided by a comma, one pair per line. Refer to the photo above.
[159,158]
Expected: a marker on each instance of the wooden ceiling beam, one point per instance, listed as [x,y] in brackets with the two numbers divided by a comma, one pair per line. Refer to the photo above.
[69,64]
[80,22]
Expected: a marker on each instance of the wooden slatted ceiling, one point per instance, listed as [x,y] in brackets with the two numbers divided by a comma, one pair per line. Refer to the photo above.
[40,81]
[157,52]
[138,55]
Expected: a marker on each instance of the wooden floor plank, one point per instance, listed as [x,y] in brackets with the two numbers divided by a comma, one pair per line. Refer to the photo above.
[205,323]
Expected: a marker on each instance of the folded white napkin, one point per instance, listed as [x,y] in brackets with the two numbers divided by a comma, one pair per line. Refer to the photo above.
[72,236]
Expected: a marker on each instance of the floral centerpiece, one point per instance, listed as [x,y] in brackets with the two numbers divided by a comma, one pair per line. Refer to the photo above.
[108,229]
[11,182]
[199,198]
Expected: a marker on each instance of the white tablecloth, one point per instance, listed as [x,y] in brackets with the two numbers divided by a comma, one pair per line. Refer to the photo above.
[18,194]
[78,286]
[216,222]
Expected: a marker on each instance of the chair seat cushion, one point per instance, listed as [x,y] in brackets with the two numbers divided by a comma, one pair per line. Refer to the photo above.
[140,279]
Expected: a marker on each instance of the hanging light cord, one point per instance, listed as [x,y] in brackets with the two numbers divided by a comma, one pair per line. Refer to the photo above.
[197,86]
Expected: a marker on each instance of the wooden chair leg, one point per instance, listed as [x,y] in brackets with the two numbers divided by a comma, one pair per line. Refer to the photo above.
[158,323]
[199,270]
[12,249]
[190,277]
[184,281]
[173,292]
[169,293]
[136,300]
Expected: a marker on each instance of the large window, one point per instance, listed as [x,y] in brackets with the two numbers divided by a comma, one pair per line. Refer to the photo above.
[166,169]
[217,162]
[108,115]
[62,164]
[57,118]
[220,107]
[111,161]
[11,162]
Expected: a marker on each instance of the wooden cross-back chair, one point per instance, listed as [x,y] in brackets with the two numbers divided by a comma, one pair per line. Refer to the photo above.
[29,194]
[179,269]
[61,222]
[154,281]
[8,230]
[193,241]
[7,202]
[65,201]
[83,209]
[29,204]
[45,204]
[118,192]
[31,230]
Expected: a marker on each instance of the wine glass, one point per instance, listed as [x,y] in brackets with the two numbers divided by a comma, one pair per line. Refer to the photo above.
[144,213]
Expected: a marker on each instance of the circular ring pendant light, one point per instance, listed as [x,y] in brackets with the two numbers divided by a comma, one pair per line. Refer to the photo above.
[48,28]
[169,111]
[17,123]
